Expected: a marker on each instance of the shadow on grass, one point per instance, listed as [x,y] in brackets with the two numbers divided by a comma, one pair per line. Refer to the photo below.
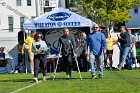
[17,80]
[68,78]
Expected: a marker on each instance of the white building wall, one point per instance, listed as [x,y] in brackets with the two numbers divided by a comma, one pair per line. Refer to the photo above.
[9,40]
[5,12]
[62,3]
[135,19]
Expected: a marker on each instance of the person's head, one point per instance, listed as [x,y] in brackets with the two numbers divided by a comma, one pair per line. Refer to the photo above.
[96,28]
[1,49]
[49,45]
[129,31]
[66,31]
[76,36]
[108,35]
[38,36]
[32,33]
[83,35]
[123,29]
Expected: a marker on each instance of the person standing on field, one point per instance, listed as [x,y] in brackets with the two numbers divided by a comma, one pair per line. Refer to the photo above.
[97,44]
[28,45]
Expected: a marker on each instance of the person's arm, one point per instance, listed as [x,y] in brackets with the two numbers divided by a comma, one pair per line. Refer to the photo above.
[23,47]
[33,48]
[104,43]
[45,48]
[86,45]
[22,50]
[133,43]
[3,55]
[73,44]
[114,41]
[59,46]
[122,39]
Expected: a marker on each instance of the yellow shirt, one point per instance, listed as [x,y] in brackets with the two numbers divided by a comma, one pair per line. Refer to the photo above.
[29,40]
[110,42]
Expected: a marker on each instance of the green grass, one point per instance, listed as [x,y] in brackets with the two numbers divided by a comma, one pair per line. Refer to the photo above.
[126,81]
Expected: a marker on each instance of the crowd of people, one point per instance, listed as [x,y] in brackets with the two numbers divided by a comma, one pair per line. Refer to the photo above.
[96,51]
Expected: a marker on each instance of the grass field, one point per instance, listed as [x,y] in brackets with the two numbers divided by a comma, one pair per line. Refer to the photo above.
[126,81]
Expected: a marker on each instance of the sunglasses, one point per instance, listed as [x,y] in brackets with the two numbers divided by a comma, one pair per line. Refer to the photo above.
[95,27]
[39,36]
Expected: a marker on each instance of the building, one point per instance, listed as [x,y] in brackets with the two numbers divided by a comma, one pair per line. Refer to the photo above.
[14,13]
[135,18]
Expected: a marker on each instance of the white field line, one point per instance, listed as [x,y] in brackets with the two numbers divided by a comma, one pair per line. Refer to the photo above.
[29,85]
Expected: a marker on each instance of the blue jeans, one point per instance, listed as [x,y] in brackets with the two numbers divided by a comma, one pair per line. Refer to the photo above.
[93,58]
[124,53]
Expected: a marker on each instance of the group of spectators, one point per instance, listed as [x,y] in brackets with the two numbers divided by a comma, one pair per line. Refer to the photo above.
[101,49]
[95,46]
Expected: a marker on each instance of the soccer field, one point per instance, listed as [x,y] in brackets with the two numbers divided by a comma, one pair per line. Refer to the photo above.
[126,81]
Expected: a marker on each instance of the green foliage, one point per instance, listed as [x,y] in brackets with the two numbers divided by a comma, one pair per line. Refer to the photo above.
[108,12]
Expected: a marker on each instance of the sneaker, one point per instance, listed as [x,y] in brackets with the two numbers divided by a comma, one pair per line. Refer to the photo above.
[89,70]
[100,76]
[110,68]
[68,76]
[44,78]
[14,71]
[35,80]
[119,69]
[32,72]
[93,77]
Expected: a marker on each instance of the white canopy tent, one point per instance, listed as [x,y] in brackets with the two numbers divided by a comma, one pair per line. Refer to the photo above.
[51,24]
[58,18]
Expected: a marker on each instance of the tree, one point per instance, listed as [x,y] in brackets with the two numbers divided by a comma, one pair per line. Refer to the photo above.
[108,12]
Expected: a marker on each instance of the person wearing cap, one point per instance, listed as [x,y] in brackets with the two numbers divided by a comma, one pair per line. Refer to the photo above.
[28,45]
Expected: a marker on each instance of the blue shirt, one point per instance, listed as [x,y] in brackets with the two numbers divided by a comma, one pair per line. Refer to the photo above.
[97,43]
[51,51]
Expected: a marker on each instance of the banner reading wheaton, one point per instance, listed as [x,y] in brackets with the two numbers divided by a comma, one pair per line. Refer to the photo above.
[56,24]
[58,18]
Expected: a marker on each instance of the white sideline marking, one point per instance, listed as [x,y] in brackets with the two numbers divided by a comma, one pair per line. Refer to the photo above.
[29,85]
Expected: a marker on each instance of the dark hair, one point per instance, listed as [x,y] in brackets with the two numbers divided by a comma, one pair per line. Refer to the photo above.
[49,44]
[32,31]
[2,48]
[36,35]
[124,27]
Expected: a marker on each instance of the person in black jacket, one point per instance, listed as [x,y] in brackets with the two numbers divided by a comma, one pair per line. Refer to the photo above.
[124,40]
[67,46]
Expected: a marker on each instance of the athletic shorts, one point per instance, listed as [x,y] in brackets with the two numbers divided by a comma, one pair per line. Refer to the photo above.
[109,52]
